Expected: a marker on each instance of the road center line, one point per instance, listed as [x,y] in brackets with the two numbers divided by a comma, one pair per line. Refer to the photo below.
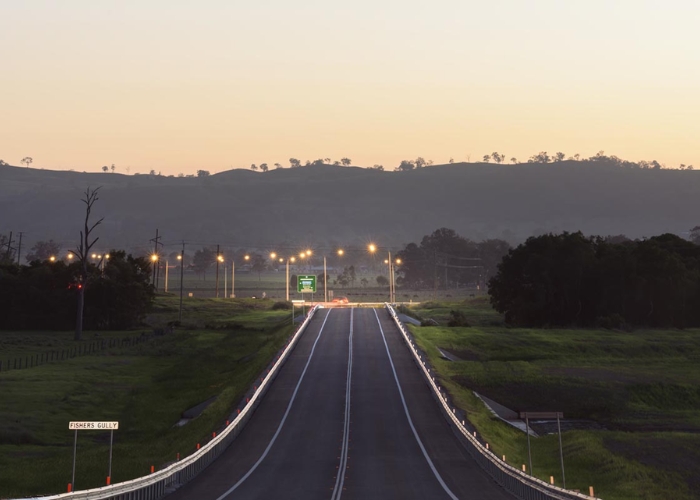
[408,416]
[289,407]
[340,478]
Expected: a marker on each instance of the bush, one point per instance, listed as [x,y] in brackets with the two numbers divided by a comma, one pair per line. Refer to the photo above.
[281,305]
[613,321]
[458,318]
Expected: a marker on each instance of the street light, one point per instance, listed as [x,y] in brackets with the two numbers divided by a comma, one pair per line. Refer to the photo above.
[154,259]
[373,248]
[289,259]
[219,258]
[52,258]
[325,275]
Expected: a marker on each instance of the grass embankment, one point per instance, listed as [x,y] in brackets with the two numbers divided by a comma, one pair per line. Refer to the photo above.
[642,387]
[219,350]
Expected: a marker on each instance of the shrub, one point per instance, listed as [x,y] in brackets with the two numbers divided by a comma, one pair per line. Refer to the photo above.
[458,318]
[281,305]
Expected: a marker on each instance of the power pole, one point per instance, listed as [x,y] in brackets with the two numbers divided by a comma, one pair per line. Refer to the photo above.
[19,249]
[9,247]
[156,263]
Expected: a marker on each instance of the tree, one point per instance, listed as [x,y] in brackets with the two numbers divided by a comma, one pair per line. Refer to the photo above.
[253,166]
[451,160]
[420,162]
[264,167]
[327,160]
[487,158]
[82,253]
[542,157]
[364,282]
[382,280]
[318,163]
[559,156]
[346,162]
[43,250]
[203,260]
[3,163]
[294,163]
[514,160]
[105,168]
[203,173]
[378,167]
[277,165]
[27,160]
[405,166]
[336,163]
[113,167]
[498,158]
[152,172]
[259,264]
[695,235]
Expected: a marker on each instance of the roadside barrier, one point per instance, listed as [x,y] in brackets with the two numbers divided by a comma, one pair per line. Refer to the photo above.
[159,483]
[510,478]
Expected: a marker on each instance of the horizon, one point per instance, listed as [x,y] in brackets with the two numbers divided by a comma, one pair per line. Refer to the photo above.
[179,87]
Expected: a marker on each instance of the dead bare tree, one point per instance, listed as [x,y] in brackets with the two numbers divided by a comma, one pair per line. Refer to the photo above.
[82,253]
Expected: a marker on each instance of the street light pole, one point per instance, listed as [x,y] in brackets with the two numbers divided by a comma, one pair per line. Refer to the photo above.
[325,281]
[287,279]
[182,274]
[225,278]
[233,277]
[390,280]
[218,257]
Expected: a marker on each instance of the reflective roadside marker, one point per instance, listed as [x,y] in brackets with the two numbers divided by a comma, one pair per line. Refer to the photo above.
[590,491]
[524,468]
[551,479]
[152,469]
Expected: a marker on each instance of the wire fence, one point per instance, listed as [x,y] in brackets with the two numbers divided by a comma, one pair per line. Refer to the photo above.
[161,482]
[84,349]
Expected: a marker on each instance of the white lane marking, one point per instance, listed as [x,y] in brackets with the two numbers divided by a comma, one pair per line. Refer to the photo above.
[340,478]
[289,407]
[408,416]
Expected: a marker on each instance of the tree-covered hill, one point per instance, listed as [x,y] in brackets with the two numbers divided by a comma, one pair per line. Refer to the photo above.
[325,203]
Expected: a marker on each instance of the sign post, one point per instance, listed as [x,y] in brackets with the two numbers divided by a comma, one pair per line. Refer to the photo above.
[306,284]
[93,426]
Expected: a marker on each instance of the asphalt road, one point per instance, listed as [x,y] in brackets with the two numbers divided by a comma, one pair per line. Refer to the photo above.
[390,441]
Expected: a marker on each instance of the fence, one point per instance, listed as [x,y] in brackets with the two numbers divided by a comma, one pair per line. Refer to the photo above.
[512,479]
[56,355]
[158,483]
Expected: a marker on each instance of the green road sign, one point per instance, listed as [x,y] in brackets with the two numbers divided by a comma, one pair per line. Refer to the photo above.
[306,284]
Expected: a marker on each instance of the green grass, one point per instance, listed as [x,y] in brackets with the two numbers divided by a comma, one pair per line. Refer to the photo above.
[220,349]
[642,387]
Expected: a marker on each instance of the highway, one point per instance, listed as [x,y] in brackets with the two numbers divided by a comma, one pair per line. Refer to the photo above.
[349,416]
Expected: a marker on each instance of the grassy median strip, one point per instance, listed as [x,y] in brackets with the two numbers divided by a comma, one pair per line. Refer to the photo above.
[219,350]
[637,395]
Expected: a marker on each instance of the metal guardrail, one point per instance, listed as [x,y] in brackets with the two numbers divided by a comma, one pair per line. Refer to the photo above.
[161,482]
[514,480]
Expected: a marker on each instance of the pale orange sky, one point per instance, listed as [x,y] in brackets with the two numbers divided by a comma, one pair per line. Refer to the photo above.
[177,86]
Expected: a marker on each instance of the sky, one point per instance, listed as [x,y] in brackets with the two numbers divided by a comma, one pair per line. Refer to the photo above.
[177,86]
